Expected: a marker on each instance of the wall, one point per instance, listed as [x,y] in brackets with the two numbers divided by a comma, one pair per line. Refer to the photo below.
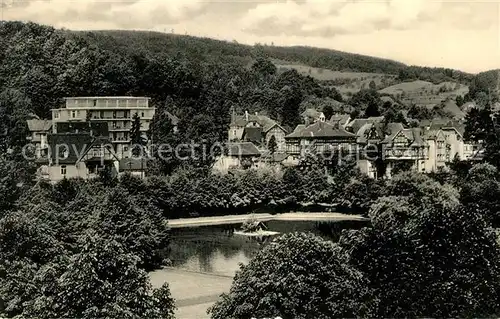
[235,133]
[78,170]
[366,167]
[224,163]
[279,135]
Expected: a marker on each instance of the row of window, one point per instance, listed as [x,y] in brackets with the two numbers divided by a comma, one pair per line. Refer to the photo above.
[108,103]
[75,114]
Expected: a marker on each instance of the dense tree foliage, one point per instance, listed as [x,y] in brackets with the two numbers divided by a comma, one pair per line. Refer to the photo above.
[80,249]
[295,276]
[425,255]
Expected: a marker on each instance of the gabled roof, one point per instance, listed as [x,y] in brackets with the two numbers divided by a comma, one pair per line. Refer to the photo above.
[252,134]
[356,124]
[341,119]
[36,125]
[297,132]
[263,120]
[321,130]
[267,128]
[71,144]
[100,141]
[370,132]
[444,124]
[242,149]
[432,134]
[414,135]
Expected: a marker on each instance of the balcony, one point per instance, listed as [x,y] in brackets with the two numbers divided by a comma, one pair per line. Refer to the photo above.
[406,154]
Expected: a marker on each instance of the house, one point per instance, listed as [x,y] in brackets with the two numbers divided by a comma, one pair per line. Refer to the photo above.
[311,116]
[79,155]
[370,138]
[116,111]
[248,127]
[354,125]
[439,152]
[239,155]
[406,147]
[133,166]
[319,138]
[38,130]
[453,132]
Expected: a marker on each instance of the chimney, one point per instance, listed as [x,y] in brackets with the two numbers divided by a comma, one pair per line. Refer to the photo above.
[246,116]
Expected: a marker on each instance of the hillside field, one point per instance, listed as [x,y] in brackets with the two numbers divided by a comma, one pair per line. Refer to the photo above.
[425,93]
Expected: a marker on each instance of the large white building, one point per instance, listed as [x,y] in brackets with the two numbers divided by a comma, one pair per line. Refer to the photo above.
[117,111]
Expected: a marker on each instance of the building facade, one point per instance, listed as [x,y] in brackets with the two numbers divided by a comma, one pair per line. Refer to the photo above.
[318,138]
[117,112]
[257,129]
[38,131]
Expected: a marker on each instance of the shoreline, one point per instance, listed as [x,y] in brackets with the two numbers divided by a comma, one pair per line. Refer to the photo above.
[261,217]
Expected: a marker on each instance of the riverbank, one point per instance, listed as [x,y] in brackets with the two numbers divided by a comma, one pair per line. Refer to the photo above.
[262,217]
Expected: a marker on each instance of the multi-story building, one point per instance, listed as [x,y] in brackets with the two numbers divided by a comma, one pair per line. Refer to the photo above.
[320,137]
[38,135]
[257,129]
[118,112]
[406,147]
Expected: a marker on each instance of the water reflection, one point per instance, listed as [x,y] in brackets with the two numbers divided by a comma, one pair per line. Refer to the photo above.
[216,249]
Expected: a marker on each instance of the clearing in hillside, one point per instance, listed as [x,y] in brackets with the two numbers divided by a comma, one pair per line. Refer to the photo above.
[425,93]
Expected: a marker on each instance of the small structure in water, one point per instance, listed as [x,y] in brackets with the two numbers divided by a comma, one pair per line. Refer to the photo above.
[254,228]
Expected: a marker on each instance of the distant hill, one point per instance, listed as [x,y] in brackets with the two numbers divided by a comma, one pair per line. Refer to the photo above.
[423,93]
[143,42]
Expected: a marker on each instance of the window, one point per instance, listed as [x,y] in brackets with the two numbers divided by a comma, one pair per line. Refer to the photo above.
[142,114]
[125,148]
[114,114]
[63,170]
[56,114]
[74,114]
[95,103]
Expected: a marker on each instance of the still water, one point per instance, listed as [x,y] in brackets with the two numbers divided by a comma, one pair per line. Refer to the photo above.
[217,250]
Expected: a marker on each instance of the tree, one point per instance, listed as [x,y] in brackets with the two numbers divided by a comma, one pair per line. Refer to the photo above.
[295,276]
[272,145]
[136,136]
[101,280]
[367,100]
[372,85]
[479,124]
[264,67]
[481,190]
[328,111]
[426,255]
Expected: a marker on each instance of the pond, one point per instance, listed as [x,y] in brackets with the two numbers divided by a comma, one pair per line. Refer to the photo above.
[217,250]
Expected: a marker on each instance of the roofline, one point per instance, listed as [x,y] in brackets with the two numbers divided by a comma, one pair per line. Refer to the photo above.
[106,97]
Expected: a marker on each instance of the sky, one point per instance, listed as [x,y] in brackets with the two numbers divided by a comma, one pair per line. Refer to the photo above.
[463,35]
